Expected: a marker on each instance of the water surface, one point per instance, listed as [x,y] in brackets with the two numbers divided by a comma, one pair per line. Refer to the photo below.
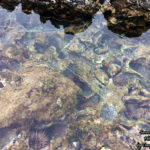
[111,70]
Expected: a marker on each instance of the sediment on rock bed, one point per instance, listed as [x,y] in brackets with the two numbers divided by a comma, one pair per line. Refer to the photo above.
[127,18]
[33,94]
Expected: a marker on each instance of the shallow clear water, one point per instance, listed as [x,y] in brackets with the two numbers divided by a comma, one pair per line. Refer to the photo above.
[111,70]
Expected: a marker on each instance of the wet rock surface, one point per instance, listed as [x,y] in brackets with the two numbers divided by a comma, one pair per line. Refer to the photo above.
[128,18]
[66,13]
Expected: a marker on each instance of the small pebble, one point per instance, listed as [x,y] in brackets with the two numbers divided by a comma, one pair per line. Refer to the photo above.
[59,102]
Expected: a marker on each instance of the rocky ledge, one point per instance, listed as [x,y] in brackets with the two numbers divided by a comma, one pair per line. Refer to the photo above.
[74,13]
[128,17]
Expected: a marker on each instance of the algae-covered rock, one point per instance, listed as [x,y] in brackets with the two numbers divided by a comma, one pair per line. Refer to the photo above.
[86,77]
[35,96]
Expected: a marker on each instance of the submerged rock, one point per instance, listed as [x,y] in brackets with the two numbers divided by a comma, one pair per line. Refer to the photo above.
[7,136]
[108,112]
[102,76]
[35,97]
[142,67]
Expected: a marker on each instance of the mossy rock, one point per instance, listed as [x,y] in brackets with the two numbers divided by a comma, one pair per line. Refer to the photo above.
[34,96]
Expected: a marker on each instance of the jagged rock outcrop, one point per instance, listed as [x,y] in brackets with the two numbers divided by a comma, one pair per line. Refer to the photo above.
[60,12]
[128,17]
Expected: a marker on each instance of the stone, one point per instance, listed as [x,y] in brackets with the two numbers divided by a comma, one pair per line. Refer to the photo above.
[108,113]
[113,69]
[9,63]
[76,145]
[125,20]
[102,76]
[35,97]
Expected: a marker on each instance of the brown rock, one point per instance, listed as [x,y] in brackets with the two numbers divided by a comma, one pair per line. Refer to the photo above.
[35,98]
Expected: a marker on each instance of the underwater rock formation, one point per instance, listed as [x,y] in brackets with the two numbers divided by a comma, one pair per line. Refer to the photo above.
[75,16]
[33,94]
